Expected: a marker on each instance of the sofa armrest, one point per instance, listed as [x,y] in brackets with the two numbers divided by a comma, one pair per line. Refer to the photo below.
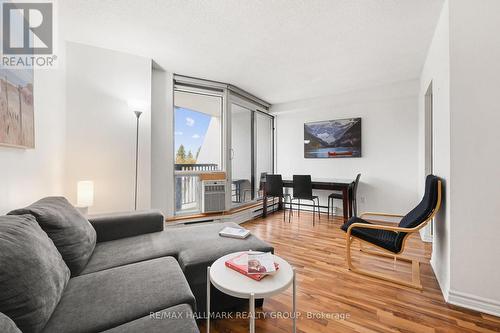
[121,225]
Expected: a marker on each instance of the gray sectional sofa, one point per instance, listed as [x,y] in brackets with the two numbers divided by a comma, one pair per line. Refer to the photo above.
[60,272]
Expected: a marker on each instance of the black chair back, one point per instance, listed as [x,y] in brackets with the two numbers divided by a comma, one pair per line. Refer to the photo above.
[354,191]
[423,210]
[302,187]
[262,180]
[355,186]
[274,186]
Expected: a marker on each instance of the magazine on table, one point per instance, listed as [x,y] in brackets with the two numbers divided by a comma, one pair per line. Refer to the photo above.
[232,232]
[240,264]
[261,263]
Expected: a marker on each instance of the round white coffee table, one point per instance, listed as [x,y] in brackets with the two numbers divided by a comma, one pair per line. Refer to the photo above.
[238,285]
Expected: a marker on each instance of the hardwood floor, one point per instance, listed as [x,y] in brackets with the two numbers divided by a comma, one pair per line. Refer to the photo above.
[332,299]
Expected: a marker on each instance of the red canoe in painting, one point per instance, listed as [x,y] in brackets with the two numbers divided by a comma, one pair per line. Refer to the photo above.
[340,153]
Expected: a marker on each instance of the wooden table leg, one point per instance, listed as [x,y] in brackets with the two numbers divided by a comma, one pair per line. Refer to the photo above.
[345,203]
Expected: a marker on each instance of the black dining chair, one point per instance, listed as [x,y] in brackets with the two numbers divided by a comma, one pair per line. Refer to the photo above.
[354,196]
[262,182]
[302,190]
[274,189]
[353,190]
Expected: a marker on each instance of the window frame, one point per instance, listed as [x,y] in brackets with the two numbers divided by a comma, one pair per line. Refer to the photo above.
[178,87]
[228,94]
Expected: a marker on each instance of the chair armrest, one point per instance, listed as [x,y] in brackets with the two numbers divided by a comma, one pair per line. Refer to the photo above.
[380,214]
[121,225]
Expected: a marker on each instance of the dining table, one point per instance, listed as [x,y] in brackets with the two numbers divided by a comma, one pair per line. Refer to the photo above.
[318,183]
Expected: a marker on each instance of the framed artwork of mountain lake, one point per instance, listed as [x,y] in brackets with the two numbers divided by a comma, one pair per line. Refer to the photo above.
[333,138]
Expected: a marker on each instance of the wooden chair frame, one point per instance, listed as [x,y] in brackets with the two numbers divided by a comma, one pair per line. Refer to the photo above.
[415,281]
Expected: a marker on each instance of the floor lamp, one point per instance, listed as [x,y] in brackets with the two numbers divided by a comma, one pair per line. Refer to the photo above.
[138,115]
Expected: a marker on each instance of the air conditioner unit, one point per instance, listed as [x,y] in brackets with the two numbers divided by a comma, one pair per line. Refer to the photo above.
[213,196]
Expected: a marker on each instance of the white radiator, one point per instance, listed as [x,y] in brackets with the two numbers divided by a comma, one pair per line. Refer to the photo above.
[213,196]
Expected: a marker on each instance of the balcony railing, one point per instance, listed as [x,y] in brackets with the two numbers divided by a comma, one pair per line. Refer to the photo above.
[196,167]
[186,188]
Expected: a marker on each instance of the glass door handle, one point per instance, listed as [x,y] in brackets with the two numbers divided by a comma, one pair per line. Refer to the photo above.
[231,154]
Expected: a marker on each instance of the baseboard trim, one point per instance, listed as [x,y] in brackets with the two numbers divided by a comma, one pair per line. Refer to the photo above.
[473,302]
[445,291]
[465,300]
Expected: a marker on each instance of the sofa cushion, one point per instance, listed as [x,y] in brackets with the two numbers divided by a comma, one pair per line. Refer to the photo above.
[178,319]
[32,273]
[130,250]
[72,234]
[7,325]
[199,246]
[103,300]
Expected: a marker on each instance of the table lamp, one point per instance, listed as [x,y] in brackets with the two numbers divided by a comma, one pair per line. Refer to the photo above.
[85,195]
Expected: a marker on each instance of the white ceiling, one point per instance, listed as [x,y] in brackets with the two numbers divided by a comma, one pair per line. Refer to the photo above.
[280,50]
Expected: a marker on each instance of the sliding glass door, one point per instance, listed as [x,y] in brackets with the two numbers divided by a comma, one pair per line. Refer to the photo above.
[241,154]
[264,149]
[251,152]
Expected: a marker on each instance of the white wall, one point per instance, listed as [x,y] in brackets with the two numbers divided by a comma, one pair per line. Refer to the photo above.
[462,64]
[162,147]
[388,166]
[475,144]
[437,70]
[27,175]
[101,126]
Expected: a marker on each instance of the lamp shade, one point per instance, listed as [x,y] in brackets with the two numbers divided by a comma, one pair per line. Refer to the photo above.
[85,193]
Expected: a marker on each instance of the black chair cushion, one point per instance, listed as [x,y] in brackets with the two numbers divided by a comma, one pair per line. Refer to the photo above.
[383,238]
[423,210]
